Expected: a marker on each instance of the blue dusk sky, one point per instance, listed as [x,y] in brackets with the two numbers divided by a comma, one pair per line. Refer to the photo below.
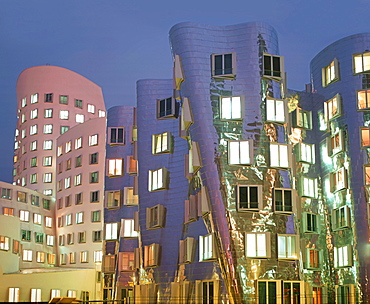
[116,42]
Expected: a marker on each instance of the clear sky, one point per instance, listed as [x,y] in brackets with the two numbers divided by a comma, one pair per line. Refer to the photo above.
[116,42]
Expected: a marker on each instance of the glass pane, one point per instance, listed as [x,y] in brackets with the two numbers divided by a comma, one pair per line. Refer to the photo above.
[218,65]
[236,108]
[267,65]
[276,66]
[281,246]
[243,197]
[365,137]
[226,108]
[251,245]
[366,58]
[120,135]
[358,64]
[262,293]
[244,152]
[234,153]
[288,206]
[113,135]
[261,245]
[253,197]
[228,64]
[279,200]
[272,293]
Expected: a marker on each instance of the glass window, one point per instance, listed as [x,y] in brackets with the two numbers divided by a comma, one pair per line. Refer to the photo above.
[94,158]
[35,295]
[155,217]
[94,177]
[63,114]
[48,177]
[302,119]
[47,161]
[33,130]
[361,62]
[166,108]
[49,97]
[111,231]
[275,110]
[240,152]
[79,217]
[78,199]
[115,167]
[151,255]
[27,255]
[128,228]
[23,102]
[257,245]
[129,197]
[93,140]
[330,73]
[231,108]
[287,246]
[116,136]
[113,199]
[35,98]
[91,108]
[284,200]
[363,100]
[95,216]
[63,99]
[78,143]
[80,118]
[313,258]
[161,143]
[338,180]
[13,294]
[64,129]
[306,153]
[79,161]
[48,113]
[78,103]
[101,113]
[341,218]
[48,144]
[78,179]
[157,179]
[332,108]
[249,197]
[24,215]
[224,65]
[335,143]
[308,187]
[33,114]
[206,248]
[309,222]
[280,155]
[273,66]
[343,256]
[94,197]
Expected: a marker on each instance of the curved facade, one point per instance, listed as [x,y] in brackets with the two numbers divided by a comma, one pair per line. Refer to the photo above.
[50,101]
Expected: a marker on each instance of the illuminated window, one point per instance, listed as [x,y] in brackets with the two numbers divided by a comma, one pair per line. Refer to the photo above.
[78,143]
[231,108]
[79,217]
[27,255]
[240,152]
[23,102]
[98,256]
[166,108]
[309,222]
[91,108]
[257,245]
[34,98]
[67,182]
[129,197]
[13,294]
[68,146]
[63,114]
[151,255]
[111,231]
[128,227]
[78,179]
[47,161]
[49,97]
[338,180]
[287,246]
[280,155]
[82,237]
[155,217]
[332,108]
[101,113]
[63,259]
[48,177]
[78,103]
[37,218]
[93,140]
[115,167]
[48,144]
[306,153]
[8,211]
[21,196]
[158,179]
[48,221]
[60,150]
[126,261]
[273,66]
[26,235]
[84,258]
[33,114]
[40,257]
[63,99]
[361,62]
[35,295]
[161,143]
[113,199]
[249,198]
[68,219]
[33,130]
[207,248]
[335,143]
[51,258]
[224,65]
[343,256]
[302,119]
[24,133]
[48,113]
[24,215]
[363,100]
[330,73]
[132,164]
[23,118]
[275,110]
[308,187]
[365,137]
[284,200]
[80,118]
[341,218]
[4,243]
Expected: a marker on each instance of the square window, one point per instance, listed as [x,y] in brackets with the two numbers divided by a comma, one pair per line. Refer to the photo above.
[341,218]
[101,113]
[129,197]
[111,231]
[207,248]
[257,245]
[115,167]
[302,119]
[151,255]
[155,217]
[63,99]
[48,113]
[49,97]
[21,196]
[224,65]
[361,62]
[48,129]
[25,235]
[280,155]
[166,108]
[116,136]
[162,143]
[126,261]
[249,198]
[47,161]
[93,140]
[95,216]
[113,199]
[64,129]
[343,256]
[231,108]
[6,193]
[240,152]
[158,179]
[94,177]
[273,66]
[91,108]
[284,200]
[34,98]
[27,255]
[78,103]
[275,110]
[332,108]
[305,153]
[48,144]
[287,246]
[37,218]
[63,114]
[338,180]
[330,73]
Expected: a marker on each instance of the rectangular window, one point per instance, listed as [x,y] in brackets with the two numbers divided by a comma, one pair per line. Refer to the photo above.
[361,62]
[313,258]
[78,198]
[284,200]
[332,108]
[111,231]
[94,177]
[101,113]
[109,263]
[63,99]
[287,246]
[330,73]
[70,238]
[61,240]
[309,222]
[6,193]
[46,203]
[72,258]
[48,144]
[273,66]
[155,217]
[335,143]
[50,240]
[16,247]
[48,113]
[47,161]
[40,257]
[48,129]
[151,255]
[224,65]
[48,221]
[306,153]
[33,130]
[95,216]
[8,211]
[302,119]
[27,255]
[97,236]
[158,179]
[275,110]
[78,143]
[35,295]
[39,237]
[240,152]
[269,292]
[126,261]
[67,182]
[90,108]
[35,98]
[51,258]
[82,237]
[78,179]
[128,228]
[162,143]
[24,215]
[94,158]
[131,164]
[338,180]
[68,201]
[116,136]
[98,256]
[257,245]
[249,198]
[48,177]
[308,187]
[78,103]
[34,114]
[113,199]
[341,218]
[64,129]
[207,248]
[280,155]
[63,259]
[79,217]
[345,294]
[13,294]
[35,200]
[129,197]
[80,118]
[33,145]
[115,167]
[4,243]
[68,219]
[49,97]
[166,108]
[186,252]
[343,256]
[21,196]
[93,140]
[363,100]
[33,178]
[94,197]
[231,108]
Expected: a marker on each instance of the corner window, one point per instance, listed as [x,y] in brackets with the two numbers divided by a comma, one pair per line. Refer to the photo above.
[363,99]
[158,179]
[287,246]
[338,180]
[116,136]
[330,73]
[335,143]
[341,218]
[309,222]
[151,255]
[166,108]
[361,62]
[343,256]
[257,245]
[284,200]
[224,65]
[231,108]
[275,110]
[302,119]
[308,187]
[161,143]
[280,155]
[249,198]
[240,152]
[155,217]
[273,66]
[332,108]
[113,199]
[115,167]
[207,248]
[306,153]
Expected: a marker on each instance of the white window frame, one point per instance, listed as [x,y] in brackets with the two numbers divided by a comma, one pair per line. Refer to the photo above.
[14,293]
[68,221]
[275,110]
[248,204]
[64,114]
[155,217]
[231,107]
[34,98]
[34,114]
[35,294]
[306,153]
[115,167]
[310,222]
[48,113]
[48,177]
[343,256]
[111,231]
[129,198]
[27,255]
[101,113]
[274,74]
[257,245]
[78,143]
[90,108]
[288,246]
[50,240]
[78,179]
[93,140]
[37,218]
[240,152]
[24,215]
[361,62]
[80,217]
[207,248]
[128,227]
[308,187]
[341,218]
[280,155]
[158,179]
[33,129]
[67,182]
[284,207]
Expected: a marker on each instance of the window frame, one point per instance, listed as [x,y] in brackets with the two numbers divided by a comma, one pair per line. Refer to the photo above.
[276,110]
[162,143]
[277,159]
[285,206]
[226,72]
[248,195]
[207,248]
[310,222]
[158,179]
[338,180]
[341,218]
[329,113]
[253,243]
[230,105]
[167,108]
[305,153]
[118,136]
[332,68]
[289,246]
[238,146]
[343,256]
[155,217]
[363,71]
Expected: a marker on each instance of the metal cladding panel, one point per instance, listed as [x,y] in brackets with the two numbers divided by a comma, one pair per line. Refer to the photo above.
[353,158]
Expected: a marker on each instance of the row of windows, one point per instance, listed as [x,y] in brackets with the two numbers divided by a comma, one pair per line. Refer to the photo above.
[79,218]
[23,198]
[69,239]
[93,179]
[93,141]
[24,216]
[39,237]
[94,198]
[14,293]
